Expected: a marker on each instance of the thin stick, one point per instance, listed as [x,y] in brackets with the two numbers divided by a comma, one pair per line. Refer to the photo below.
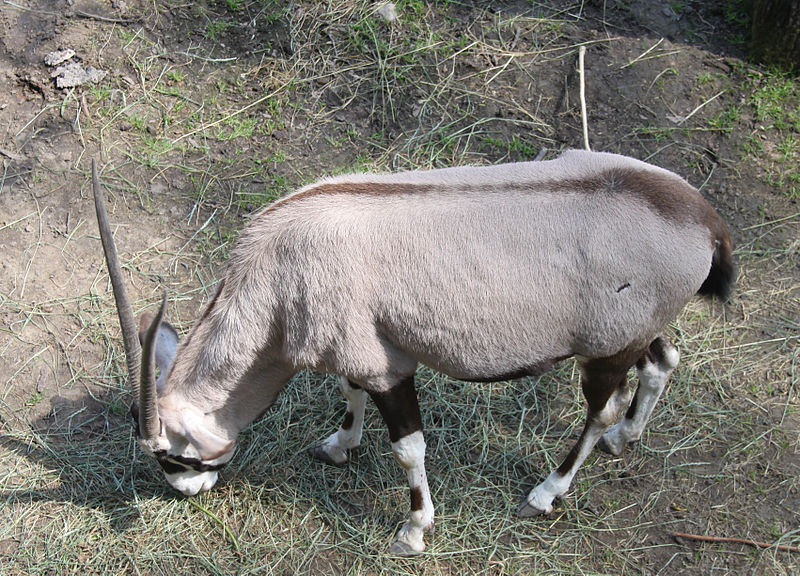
[702,538]
[643,54]
[584,121]
[235,113]
[89,16]
[17,221]
[696,110]
[26,9]
[754,226]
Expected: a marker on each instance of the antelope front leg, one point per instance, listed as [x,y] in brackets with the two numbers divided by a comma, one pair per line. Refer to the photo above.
[333,450]
[400,411]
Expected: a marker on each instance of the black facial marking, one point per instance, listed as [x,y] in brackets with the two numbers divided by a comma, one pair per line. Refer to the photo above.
[171,467]
[173,464]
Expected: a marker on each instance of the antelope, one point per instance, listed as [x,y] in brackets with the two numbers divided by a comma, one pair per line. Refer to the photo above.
[482,273]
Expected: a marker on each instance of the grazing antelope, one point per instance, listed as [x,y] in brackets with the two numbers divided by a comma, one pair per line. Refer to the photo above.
[482,273]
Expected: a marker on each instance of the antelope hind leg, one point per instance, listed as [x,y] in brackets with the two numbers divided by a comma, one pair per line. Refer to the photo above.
[654,369]
[606,395]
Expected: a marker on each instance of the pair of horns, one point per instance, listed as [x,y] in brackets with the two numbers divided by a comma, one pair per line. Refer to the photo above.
[140,360]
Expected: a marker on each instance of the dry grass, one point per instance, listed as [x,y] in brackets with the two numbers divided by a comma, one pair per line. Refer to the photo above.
[199,127]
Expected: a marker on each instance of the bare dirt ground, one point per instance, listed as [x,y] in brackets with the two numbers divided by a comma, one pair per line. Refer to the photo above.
[210,110]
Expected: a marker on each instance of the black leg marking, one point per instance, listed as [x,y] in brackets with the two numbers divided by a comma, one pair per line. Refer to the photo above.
[399,408]
[416,498]
[654,366]
[655,353]
[348,421]
[333,450]
[601,380]
[570,465]
[632,408]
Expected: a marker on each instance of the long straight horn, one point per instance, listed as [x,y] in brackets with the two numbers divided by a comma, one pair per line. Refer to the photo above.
[149,422]
[124,310]
[143,381]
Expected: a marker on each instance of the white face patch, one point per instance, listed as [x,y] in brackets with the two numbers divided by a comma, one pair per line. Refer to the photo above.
[190,482]
[191,475]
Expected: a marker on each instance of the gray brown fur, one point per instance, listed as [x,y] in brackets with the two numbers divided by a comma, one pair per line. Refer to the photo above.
[476,272]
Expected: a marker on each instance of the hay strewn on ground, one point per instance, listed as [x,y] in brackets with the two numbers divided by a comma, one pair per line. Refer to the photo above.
[212,110]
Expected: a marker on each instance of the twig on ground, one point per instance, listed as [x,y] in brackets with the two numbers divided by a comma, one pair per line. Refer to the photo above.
[26,9]
[771,222]
[703,538]
[235,113]
[85,107]
[584,121]
[17,221]
[32,120]
[696,110]
[90,16]
[11,155]
[643,54]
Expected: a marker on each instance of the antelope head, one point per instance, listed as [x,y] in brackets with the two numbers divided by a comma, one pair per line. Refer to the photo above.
[168,427]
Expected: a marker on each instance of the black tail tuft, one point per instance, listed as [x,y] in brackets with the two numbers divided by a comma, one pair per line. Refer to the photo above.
[722,276]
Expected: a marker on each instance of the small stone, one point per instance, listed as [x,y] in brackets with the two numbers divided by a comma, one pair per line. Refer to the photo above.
[74,74]
[59,56]
[387,11]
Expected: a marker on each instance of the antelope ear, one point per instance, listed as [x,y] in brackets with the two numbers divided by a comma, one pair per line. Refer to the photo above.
[166,346]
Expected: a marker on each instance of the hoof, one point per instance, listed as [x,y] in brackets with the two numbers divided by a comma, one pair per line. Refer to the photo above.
[615,449]
[527,510]
[604,446]
[399,548]
[318,453]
